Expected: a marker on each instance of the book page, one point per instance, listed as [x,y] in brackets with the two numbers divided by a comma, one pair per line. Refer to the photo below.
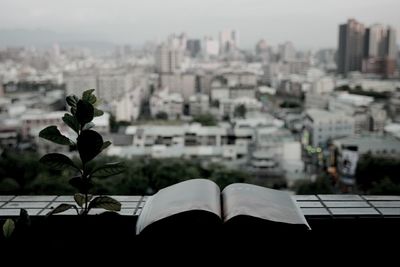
[196,194]
[260,202]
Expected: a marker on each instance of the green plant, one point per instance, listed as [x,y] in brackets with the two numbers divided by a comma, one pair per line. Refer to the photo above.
[10,225]
[89,144]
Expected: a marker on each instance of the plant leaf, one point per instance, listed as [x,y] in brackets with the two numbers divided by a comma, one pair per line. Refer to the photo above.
[52,134]
[109,169]
[106,203]
[72,100]
[8,228]
[89,97]
[58,161]
[105,145]
[83,185]
[71,121]
[84,112]
[89,145]
[80,199]
[98,112]
[88,126]
[61,208]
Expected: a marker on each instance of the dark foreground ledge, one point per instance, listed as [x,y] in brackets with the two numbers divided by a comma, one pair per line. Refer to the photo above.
[352,221]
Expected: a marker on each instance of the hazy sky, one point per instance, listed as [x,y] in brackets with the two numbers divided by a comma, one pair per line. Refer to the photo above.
[308,23]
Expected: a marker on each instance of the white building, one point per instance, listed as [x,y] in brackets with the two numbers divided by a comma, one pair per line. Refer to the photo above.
[324,85]
[393,129]
[109,84]
[287,52]
[170,103]
[232,86]
[180,83]
[228,41]
[210,46]
[349,103]
[168,58]
[321,126]
[385,146]
[127,107]
[102,123]
[292,163]
[227,106]
[316,101]
[277,154]
[368,116]
[215,143]
[39,119]
[199,104]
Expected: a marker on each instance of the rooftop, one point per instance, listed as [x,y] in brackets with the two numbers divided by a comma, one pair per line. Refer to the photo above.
[319,114]
[367,142]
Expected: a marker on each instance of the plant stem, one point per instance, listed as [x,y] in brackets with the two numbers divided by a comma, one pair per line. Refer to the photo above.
[86,193]
[86,204]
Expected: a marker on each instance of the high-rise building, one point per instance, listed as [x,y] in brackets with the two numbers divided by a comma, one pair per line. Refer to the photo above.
[228,41]
[264,51]
[370,50]
[380,50]
[178,42]
[1,88]
[391,52]
[181,83]
[193,46]
[287,52]
[375,41]
[262,47]
[391,43]
[210,46]
[168,59]
[351,47]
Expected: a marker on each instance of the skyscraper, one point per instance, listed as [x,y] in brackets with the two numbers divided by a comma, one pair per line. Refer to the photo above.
[262,47]
[210,46]
[391,52]
[374,49]
[193,46]
[391,43]
[351,47]
[168,59]
[370,50]
[228,41]
[287,52]
[375,41]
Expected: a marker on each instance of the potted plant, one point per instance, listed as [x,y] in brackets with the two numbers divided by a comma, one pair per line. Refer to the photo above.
[89,145]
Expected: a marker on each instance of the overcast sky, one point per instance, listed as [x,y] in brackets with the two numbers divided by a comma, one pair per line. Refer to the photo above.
[308,23]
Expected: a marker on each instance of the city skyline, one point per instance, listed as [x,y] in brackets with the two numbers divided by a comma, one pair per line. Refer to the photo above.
[136,22]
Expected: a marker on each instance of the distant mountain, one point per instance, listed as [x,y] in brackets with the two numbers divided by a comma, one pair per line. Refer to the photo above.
[46,38]
[21,37]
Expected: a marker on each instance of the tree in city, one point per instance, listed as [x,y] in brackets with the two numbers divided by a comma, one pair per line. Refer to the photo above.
[372,170]
[206,119]
[223,176]
[162,115]
[289,104]
[321,185]
[240,111]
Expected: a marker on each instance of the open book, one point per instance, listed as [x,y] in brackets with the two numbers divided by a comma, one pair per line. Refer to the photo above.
[237,203]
